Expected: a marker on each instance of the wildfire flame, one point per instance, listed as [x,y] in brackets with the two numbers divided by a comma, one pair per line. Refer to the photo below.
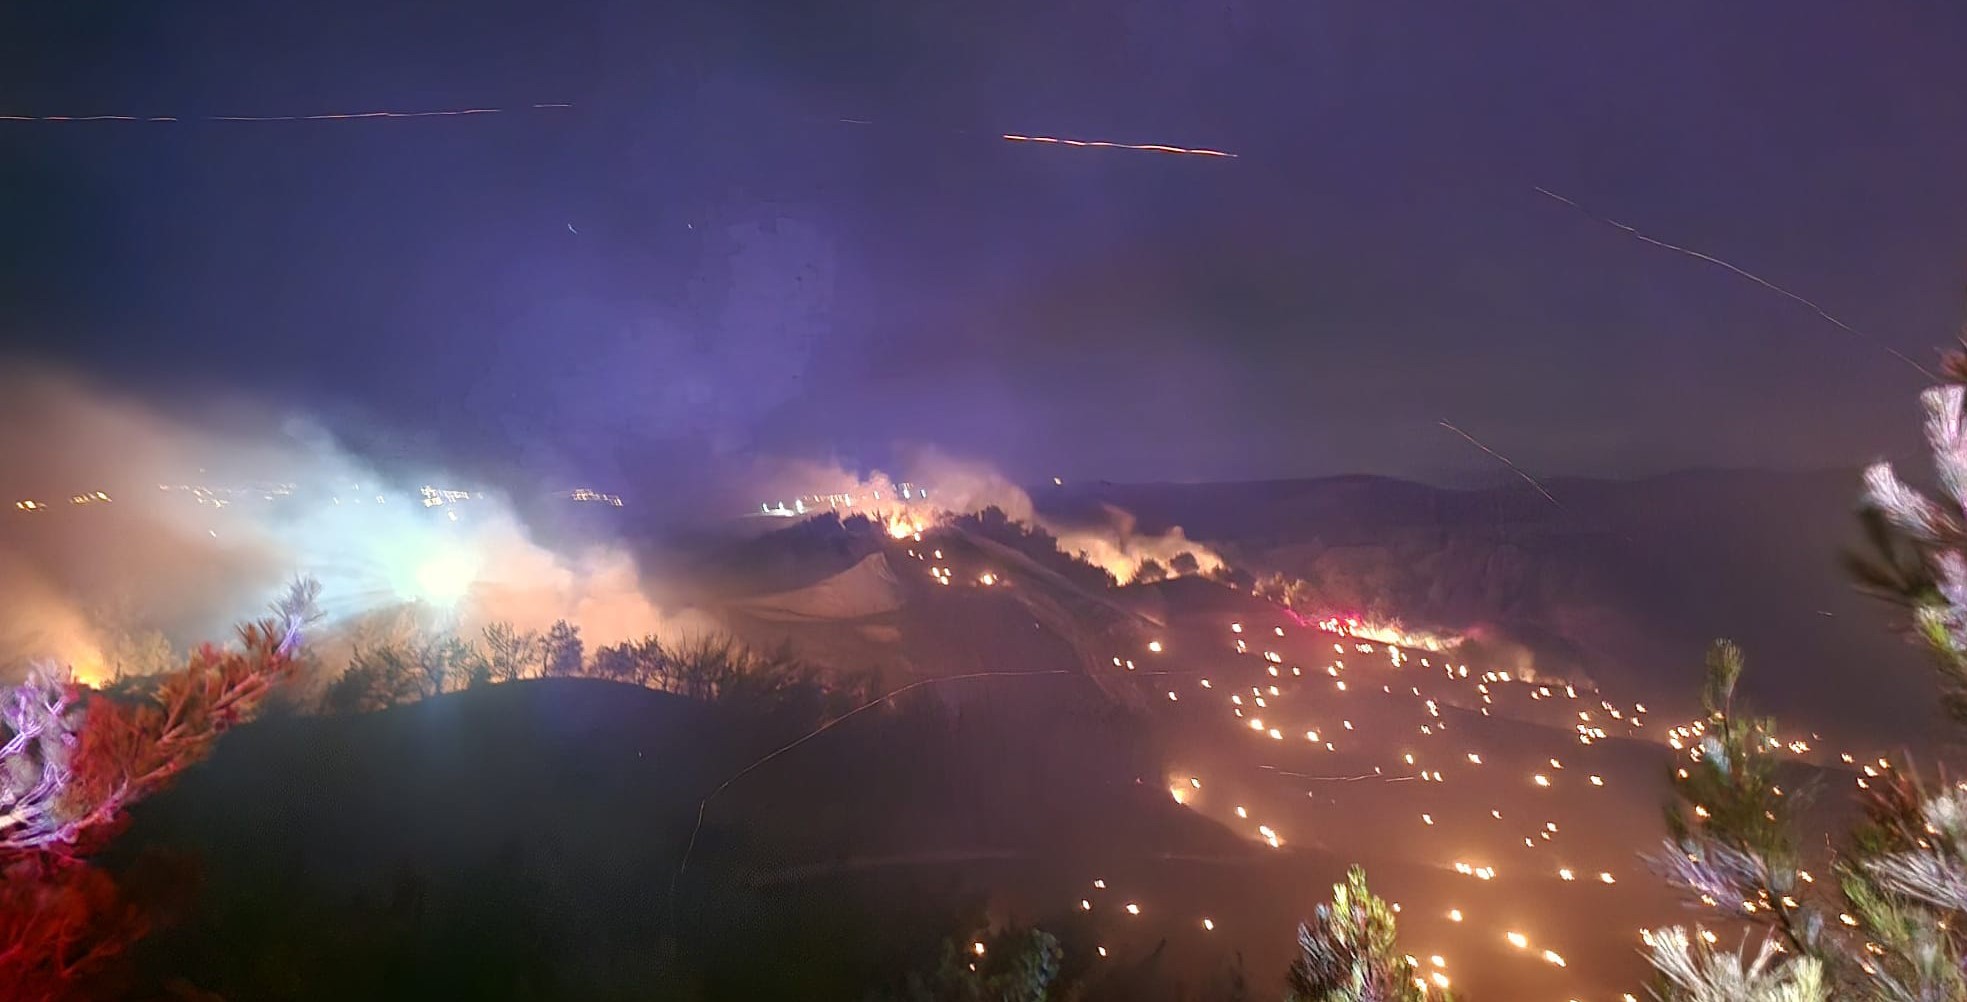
[902,525]
[1388,633]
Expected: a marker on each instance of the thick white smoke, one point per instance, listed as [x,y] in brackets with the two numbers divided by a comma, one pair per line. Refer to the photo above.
[960,487]
[204,514]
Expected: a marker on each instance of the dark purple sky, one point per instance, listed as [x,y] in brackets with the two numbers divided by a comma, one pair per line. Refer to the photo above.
[751,274]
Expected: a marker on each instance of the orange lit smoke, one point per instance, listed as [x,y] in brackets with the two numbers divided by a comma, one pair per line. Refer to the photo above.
[959,487]
[88,574]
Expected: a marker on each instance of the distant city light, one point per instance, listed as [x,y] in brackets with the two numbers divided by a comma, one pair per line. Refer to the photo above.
[583,494]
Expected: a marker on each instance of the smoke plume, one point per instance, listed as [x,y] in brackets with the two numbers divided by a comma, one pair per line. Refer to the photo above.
[124,517]
[961,487]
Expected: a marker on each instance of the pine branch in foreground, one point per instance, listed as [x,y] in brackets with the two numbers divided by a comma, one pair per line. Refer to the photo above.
[1693,971]
[1901,934]
[72,763]
[1348,952]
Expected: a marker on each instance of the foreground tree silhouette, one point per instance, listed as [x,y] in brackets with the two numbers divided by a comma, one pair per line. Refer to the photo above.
[1733,847]
[511,655]
[376,678]
[73,762]
[1348,953]
[566,654]
[1014,965]
[1899,932]
[1733,841]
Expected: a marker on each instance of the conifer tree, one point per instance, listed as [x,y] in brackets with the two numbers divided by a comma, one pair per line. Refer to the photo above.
[1900,928]
[1692,971]
[1347,952]
[1733,841]
[1733,848]
[1019,964]
[74,760]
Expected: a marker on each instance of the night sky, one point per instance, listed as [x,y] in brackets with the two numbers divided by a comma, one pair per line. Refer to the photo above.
[701,261]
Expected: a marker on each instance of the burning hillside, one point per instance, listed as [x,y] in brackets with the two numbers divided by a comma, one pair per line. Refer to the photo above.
[942,488]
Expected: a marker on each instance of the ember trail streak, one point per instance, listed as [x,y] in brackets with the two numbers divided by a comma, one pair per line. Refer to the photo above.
[1751,276]
[344,116]
[1518,470]
[1104,144]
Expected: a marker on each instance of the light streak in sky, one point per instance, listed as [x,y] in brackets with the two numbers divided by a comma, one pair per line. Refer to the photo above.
[1103,144]
[1751,276]
[1086,144]
[344,116]
[1518,470]
[351,116]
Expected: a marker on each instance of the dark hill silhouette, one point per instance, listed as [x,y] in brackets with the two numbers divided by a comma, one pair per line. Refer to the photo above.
[519,841]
